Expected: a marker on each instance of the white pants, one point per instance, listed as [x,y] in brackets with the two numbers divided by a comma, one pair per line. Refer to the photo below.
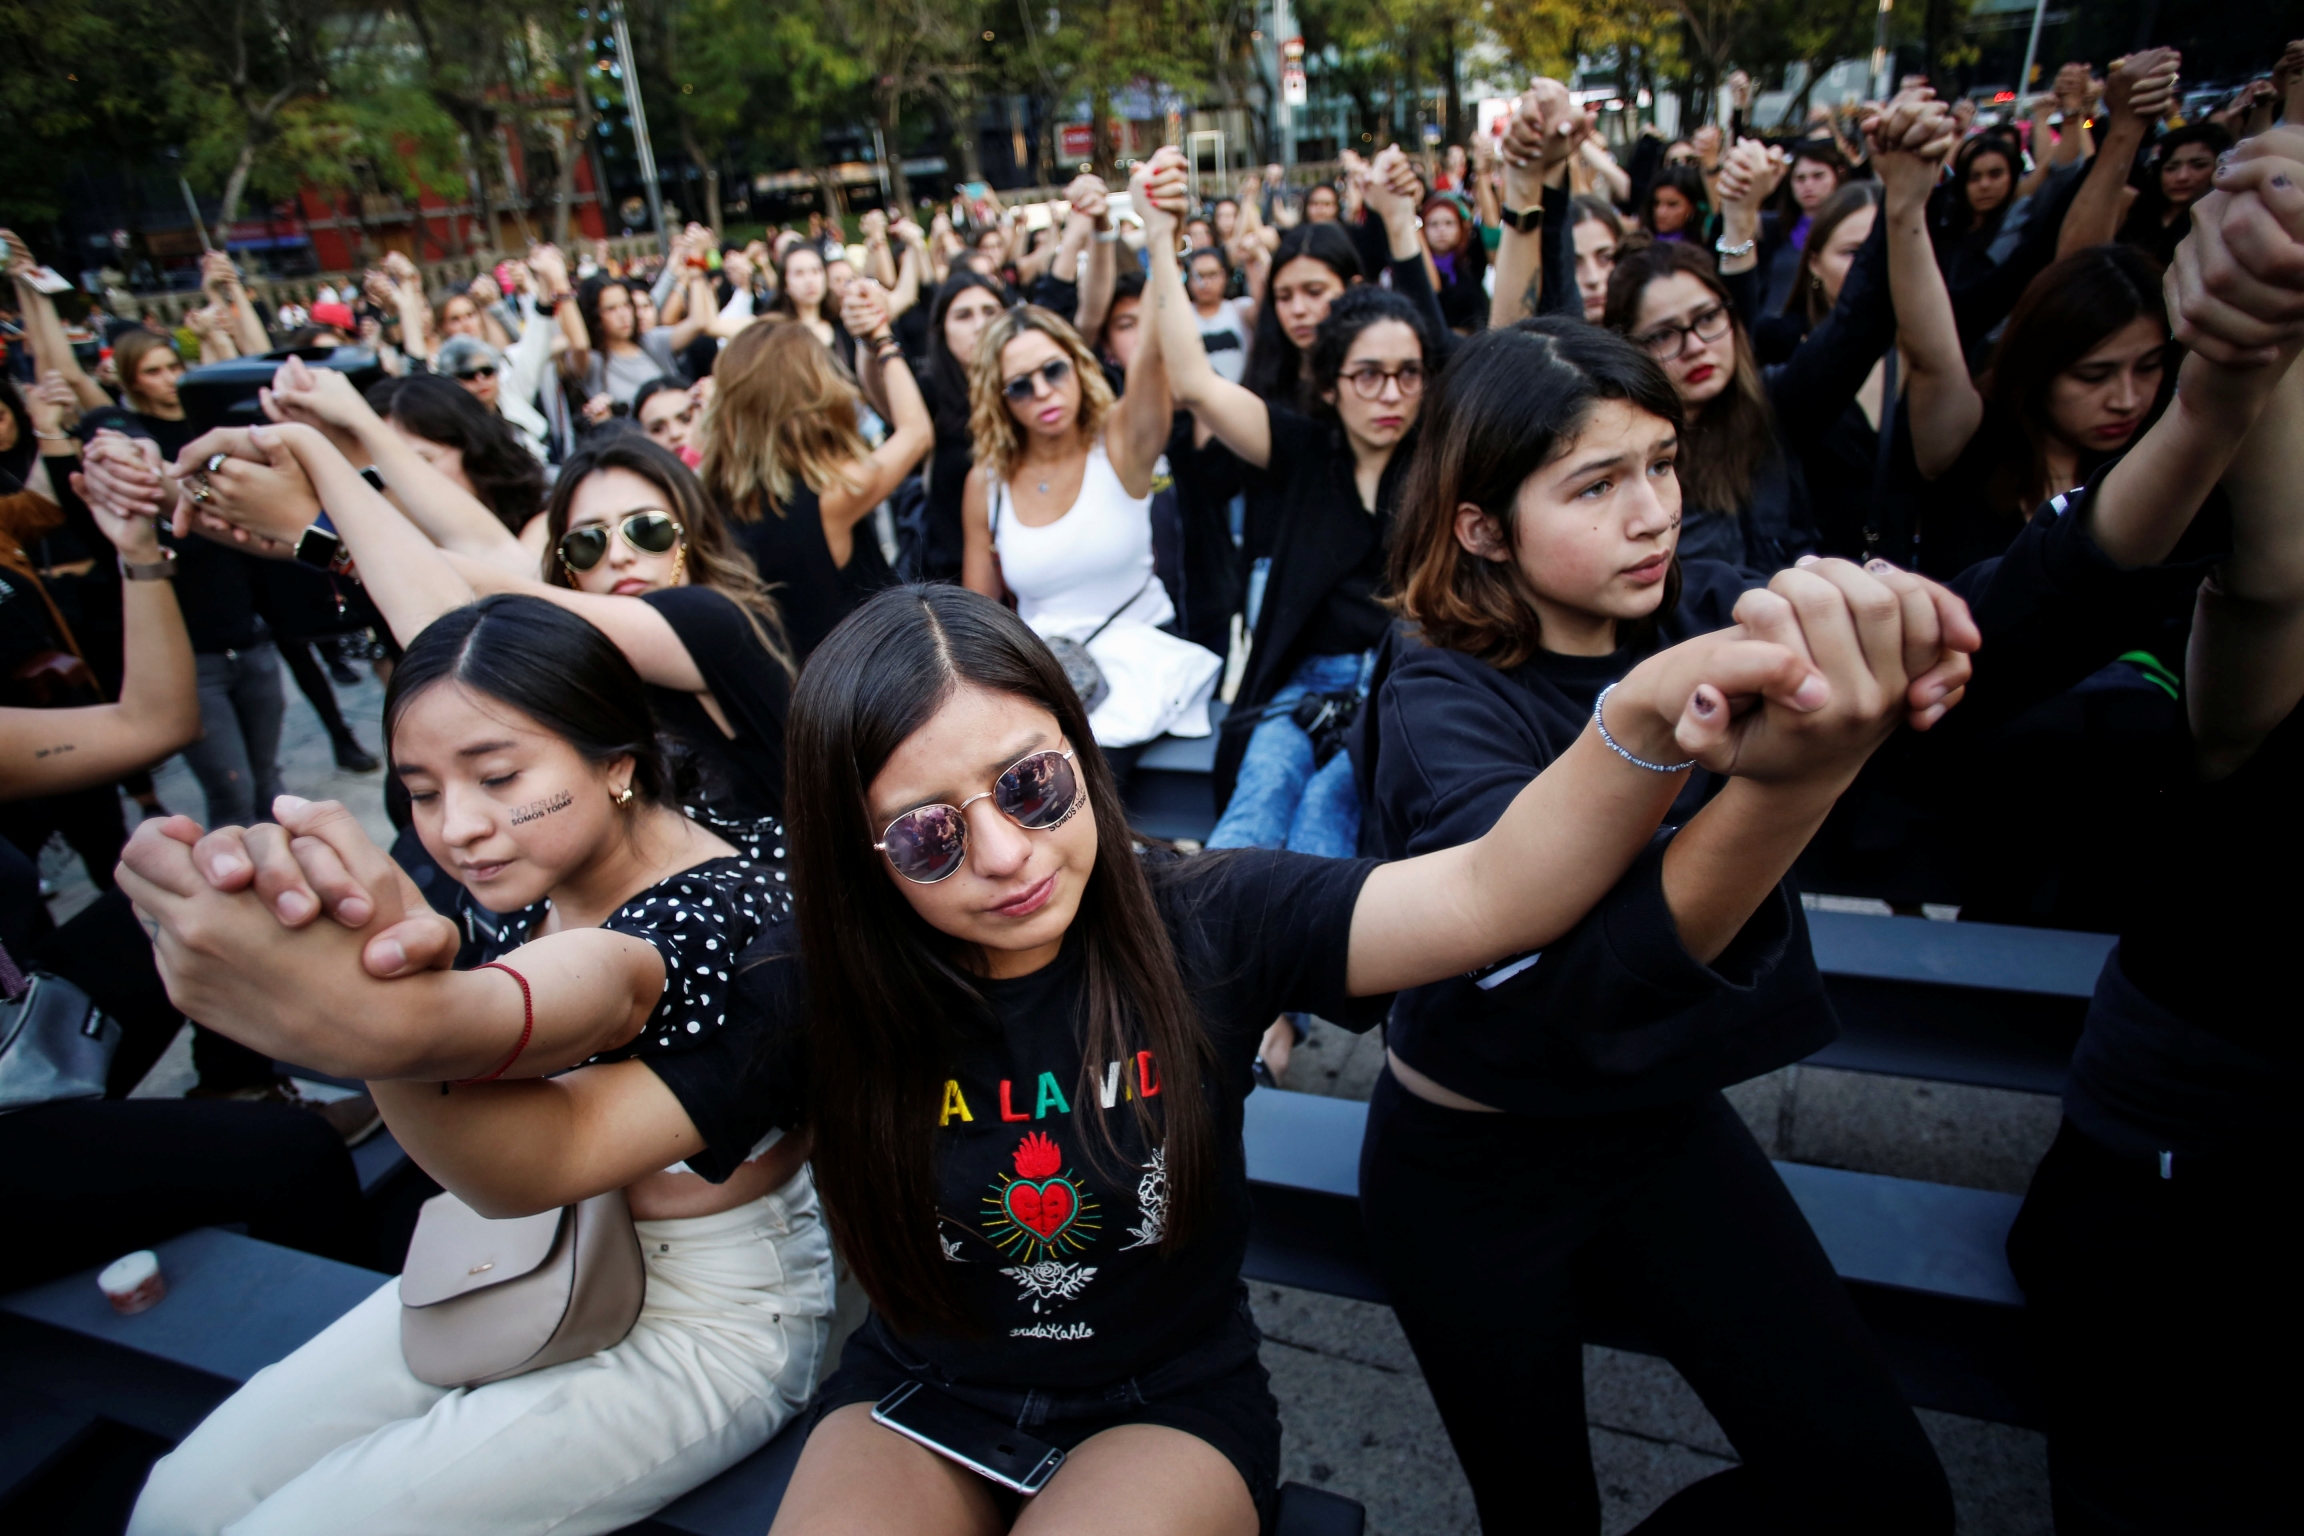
[340,1438]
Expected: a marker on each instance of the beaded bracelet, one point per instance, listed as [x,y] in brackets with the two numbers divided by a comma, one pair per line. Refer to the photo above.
[1614,746]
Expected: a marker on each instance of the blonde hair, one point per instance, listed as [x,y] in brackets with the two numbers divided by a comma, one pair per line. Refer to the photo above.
[783,413]
[999,439]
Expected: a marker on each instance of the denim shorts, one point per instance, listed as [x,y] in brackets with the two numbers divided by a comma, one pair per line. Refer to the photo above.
[1215,1390]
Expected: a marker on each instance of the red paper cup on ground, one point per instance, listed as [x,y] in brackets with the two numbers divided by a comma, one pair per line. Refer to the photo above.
[134,1283]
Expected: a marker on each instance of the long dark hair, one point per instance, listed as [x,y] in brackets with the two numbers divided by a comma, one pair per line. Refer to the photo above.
[2065,314]
[1688,181]
[16,463]
[1275,367]
[1510,402]
[1955,216]
[504,474]
[827,307]
[1807,294]
[1722,450]
[714,558]
[588,310]
[889,996]
[550,665]
[947,376]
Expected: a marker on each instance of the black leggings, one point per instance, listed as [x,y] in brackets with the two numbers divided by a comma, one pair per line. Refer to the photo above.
[1496,1235]
[2162,1307]
[84,1183]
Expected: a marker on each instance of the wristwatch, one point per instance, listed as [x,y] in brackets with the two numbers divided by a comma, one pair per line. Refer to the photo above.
[1526,220]
[375,479]
[162,569]
[322,549]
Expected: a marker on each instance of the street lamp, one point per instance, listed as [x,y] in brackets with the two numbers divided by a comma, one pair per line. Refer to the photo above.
[639,116]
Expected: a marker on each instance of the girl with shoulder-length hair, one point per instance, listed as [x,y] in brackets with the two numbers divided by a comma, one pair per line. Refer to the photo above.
[1576,1104]
[1027,1045]
[1058,515]
[805,293]
[595,1049]
[783,456]
[1315,263]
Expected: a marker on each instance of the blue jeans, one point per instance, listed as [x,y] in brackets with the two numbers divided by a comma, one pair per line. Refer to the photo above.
[1280,799]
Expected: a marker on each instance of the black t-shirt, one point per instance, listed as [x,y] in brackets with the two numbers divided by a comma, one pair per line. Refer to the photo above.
[793,557]
[216,585]
[742,775]
[699,920]
[1058,1264]
[944,539]
[1311,464]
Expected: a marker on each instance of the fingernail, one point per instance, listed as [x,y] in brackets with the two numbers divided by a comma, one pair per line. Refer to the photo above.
[1703,703]
[1805,560]
[1878,565]
[289,803]
[226,865]
[2282,182]
[388,954]
[354,910]
[294,906]
[1812,693]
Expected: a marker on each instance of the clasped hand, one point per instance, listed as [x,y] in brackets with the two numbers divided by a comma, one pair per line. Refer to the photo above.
[1821,666]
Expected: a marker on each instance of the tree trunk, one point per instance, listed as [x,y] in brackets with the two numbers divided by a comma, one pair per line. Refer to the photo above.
[711,170]
[475,133]
[236,184]
[891,126]
[1102,150]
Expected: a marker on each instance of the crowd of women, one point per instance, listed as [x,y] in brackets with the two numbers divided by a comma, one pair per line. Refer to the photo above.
[1568,579]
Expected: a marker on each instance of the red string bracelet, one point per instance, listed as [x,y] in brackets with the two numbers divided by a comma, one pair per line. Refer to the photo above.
[527,1024]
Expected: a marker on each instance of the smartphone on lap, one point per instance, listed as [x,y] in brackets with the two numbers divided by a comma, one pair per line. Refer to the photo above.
[969,1436]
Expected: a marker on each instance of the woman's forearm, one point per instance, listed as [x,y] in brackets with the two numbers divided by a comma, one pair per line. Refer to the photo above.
[1733,853]
[406,576]
[450,516]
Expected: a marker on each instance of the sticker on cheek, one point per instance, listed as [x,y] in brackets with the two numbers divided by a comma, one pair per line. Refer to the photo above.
[542,808]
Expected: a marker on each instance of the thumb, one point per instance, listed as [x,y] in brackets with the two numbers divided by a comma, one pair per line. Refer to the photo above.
[422,941]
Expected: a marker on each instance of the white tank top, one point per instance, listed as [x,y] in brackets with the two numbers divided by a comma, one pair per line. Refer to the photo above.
[1095,561]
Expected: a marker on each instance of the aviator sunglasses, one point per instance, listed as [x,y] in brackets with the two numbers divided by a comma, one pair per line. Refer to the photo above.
[652,532]
[1022,387]
[930,843]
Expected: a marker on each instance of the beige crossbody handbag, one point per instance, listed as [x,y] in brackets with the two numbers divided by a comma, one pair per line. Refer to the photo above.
[484,1300]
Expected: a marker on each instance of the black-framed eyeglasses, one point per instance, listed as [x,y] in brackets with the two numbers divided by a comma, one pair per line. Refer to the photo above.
[1039,792]
[1026,385]
[1368,383]
[1670,339]
[652,532]
[484,371]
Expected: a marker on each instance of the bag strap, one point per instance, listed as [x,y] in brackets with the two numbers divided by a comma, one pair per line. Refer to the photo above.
[12,983]
[1124,607]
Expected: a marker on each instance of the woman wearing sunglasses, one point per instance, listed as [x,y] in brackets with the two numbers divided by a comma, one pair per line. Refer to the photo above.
[1022,1046]
[527,744]
[1058,514]
[783,457]
[636,548]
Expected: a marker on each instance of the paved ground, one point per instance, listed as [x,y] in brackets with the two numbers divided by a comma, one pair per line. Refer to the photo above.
[1358,1417]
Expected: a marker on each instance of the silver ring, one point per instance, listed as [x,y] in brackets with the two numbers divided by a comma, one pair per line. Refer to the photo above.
[216,461]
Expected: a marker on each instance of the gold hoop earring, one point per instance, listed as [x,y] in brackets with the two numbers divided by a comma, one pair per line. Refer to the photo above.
[623,797]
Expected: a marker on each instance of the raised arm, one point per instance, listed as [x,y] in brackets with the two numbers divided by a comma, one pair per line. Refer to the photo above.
[1538,144]
[2237,296]
[44,331]
[703,308]
[912,432]
[1138,428]
[1909,143]
[244,326]
[1090,204]
[1838,658]
[906,291]
[1160,188]
[53,751]
[2137,92]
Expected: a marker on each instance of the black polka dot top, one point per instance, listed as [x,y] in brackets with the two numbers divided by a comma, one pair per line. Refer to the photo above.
[699,920]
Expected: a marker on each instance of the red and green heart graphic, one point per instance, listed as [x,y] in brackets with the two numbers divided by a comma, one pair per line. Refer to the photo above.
[1043,1209]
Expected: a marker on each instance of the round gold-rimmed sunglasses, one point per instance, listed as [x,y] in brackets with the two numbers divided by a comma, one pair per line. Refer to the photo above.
[1038,792]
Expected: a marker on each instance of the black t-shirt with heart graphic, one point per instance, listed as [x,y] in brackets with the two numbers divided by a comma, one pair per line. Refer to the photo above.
[1055,1240]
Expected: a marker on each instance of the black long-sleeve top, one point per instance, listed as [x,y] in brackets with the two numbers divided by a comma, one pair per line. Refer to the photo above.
[1615,1014]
